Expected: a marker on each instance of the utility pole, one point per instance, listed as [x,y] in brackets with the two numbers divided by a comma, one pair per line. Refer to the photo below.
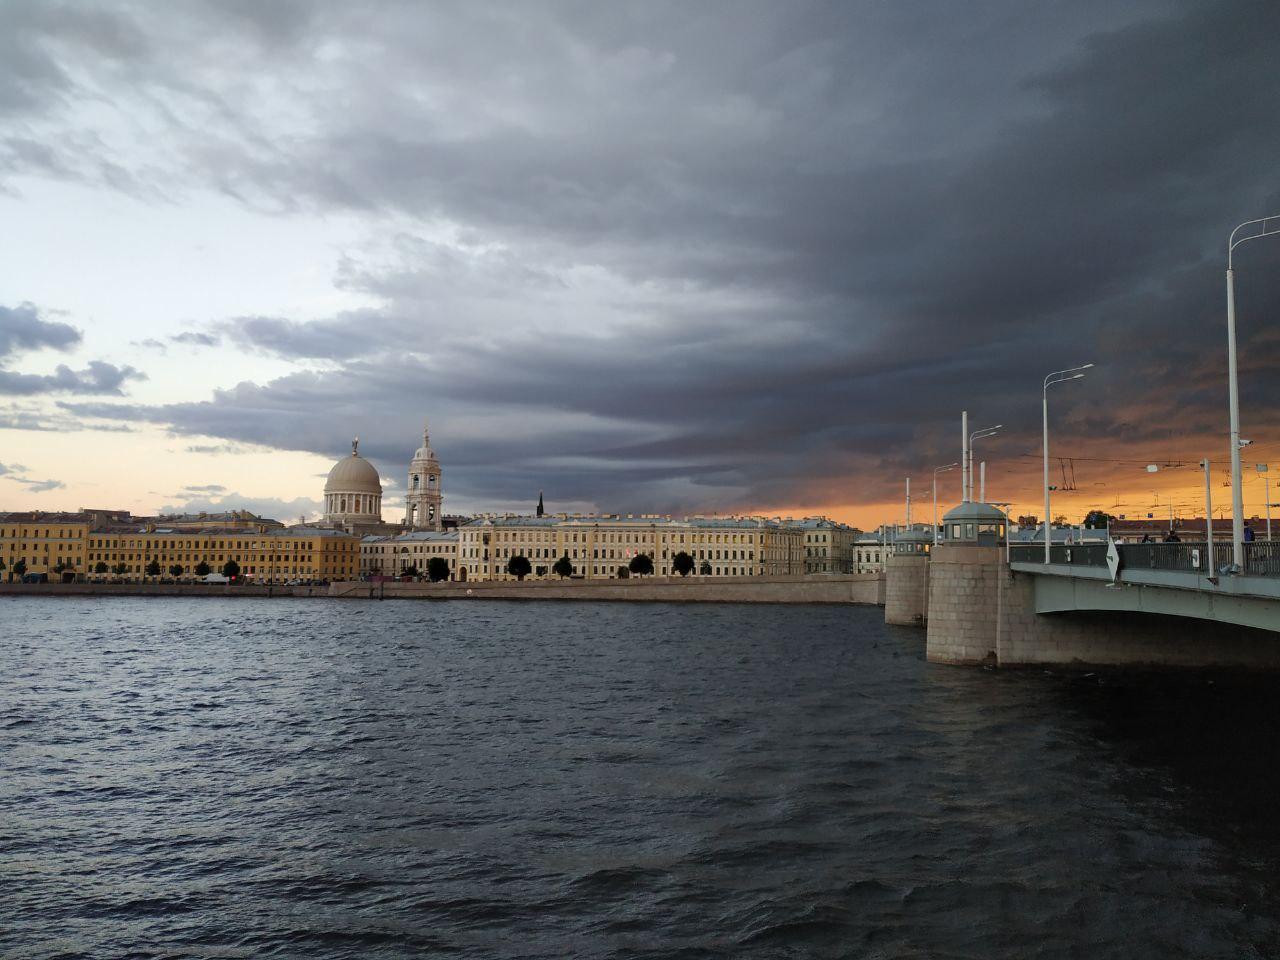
[1208,516]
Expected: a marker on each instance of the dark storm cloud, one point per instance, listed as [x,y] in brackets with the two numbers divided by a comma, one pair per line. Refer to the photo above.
[825,229]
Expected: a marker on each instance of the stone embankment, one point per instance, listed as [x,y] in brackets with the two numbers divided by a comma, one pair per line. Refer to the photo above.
[865,588]
[850,588]
[155,590]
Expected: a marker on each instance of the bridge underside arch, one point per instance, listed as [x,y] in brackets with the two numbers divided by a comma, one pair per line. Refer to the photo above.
[1071,594]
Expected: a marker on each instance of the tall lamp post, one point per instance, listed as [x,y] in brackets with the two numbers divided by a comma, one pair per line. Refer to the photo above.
[1266,227]
[936,471]
[1058,376]
[978,435]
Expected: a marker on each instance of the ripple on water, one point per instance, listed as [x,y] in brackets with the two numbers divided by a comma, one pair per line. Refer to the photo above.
[238,777]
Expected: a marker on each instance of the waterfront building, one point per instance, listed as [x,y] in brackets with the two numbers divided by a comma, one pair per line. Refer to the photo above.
[870,553]
[46,543]
[270,556]
[424,493]
[602,546]
[74,545]
[828,545]
[392,556]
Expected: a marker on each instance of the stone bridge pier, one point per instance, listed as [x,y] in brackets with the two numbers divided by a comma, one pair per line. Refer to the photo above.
[906,590]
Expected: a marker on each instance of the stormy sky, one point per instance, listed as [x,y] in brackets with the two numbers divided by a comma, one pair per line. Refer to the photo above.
[643,256]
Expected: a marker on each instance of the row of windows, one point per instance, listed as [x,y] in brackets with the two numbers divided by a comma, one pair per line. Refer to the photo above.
[511,536]
[610,570]
[62,533]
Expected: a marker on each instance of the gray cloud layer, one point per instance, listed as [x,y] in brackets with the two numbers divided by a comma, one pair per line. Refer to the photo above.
[708,255]
[22,330]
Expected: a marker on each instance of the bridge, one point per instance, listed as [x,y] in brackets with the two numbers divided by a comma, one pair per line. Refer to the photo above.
[983,601]
[1165,579]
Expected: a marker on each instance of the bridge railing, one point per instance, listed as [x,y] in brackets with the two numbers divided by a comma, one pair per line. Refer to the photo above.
[1075,555]
[1262,558]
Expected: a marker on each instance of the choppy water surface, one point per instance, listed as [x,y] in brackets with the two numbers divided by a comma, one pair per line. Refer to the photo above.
[243,778]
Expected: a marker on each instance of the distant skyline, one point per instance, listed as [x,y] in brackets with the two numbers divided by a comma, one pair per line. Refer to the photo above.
[673,258]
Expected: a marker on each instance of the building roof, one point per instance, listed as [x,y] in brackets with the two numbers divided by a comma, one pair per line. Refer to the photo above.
[973,510]
[41,516]
[416,536]
[642,520]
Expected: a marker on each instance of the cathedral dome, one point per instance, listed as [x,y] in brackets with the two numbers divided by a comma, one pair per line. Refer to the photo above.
[353,474]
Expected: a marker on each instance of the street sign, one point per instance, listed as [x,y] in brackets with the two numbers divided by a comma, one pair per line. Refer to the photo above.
[1113,558]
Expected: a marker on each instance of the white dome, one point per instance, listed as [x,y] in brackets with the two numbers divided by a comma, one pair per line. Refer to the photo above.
[353,474]
[424,453]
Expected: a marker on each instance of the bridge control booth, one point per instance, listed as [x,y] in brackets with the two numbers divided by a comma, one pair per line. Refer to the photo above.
[976,524]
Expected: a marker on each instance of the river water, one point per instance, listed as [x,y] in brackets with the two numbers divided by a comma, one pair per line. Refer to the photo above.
[246,778]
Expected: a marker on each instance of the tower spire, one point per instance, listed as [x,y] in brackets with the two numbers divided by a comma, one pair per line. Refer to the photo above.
[541,511]
[355,446]
[426,434]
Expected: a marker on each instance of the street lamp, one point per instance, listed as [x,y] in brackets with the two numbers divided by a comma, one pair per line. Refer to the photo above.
[978,435]
[936,471]
[1058,376]
[1237,494]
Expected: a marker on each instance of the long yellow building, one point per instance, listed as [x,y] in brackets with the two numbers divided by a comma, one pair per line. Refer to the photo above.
[69,545]
[601,546]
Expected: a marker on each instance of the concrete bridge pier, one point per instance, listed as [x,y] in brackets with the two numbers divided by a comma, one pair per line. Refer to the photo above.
[906,593]
[964,603]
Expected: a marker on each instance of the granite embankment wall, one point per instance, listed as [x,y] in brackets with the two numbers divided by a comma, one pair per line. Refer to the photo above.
[856,588]
[853,588]
[154,590]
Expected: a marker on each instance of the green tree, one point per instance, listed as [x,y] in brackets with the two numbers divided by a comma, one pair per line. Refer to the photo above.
[175,570]
[519,566]
[563,567]
[410,571]
[59,567]
[2,567]
[1060,520]
[120,569]
[682,564]
[705,569]
[20,569]
[641,564]
[1028,520]
[100,568]
[203,569]
[624,573]
[1098,519]
[437,569]
[231,570]
[153,568]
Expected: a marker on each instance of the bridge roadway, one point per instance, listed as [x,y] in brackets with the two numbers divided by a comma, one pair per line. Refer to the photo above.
[1170,579]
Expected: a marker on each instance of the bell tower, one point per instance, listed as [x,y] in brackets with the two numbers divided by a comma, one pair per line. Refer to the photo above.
[424,494]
